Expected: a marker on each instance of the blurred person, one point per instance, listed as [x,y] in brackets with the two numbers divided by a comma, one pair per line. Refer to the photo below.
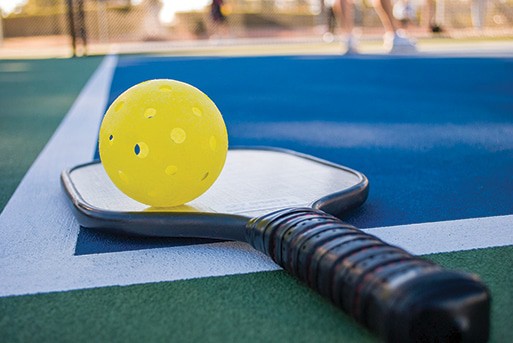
[81,26]
[218,12]
[428,17]
[331,20]
[478,13]
[77,25]
[394,40]
[403,11]
[151,24]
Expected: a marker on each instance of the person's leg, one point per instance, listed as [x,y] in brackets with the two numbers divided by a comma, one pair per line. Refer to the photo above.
[344,9]
[393,42]
[429,17]
[478,12]
[384,10]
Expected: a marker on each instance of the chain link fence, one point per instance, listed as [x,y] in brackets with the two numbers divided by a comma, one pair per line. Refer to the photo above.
[102,24]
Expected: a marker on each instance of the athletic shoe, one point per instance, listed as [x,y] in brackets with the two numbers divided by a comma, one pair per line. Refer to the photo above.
[350,44]
[395,43]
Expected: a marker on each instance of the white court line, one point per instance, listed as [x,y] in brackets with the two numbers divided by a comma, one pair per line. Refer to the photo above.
[447,236]
[36,221]
[38,232]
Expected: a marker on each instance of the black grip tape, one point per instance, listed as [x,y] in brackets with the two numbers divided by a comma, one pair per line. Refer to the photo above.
[299,242]
[400,297]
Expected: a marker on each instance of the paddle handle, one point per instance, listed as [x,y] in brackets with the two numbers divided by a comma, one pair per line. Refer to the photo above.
[400,297]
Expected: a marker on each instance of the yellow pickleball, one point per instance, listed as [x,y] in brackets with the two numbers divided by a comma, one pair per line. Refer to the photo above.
[163,142]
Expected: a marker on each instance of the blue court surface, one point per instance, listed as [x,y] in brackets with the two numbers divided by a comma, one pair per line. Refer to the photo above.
[434,136]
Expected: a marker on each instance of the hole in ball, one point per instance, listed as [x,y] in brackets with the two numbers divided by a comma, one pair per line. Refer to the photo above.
[150,113]
[204,176]
[141,150]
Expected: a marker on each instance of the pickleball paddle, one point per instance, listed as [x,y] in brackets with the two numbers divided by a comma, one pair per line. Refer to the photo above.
[288,205]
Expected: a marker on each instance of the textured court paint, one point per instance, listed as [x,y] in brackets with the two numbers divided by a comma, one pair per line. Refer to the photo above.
[259,307]
[34,97]
[408,136]
[94,242]
[79,315]
[63,273]
[367,89]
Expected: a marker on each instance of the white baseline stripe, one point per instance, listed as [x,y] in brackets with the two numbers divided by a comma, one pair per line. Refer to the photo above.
[133,267]
[36,222]
[207,260]
[447,236]
[38,232]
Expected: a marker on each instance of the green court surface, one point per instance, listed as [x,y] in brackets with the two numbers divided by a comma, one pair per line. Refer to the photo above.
[34,96]
[259,307]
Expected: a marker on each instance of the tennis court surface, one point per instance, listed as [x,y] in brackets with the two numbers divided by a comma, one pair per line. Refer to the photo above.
[434,135]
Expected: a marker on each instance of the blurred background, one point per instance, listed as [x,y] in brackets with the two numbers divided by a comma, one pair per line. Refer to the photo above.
[81,27]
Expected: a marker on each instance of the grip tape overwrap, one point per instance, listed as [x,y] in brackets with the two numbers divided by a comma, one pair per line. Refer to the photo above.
[401,297]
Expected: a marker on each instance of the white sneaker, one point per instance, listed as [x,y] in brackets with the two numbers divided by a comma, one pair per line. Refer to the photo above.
[328,37]
[350,44]
[395,43]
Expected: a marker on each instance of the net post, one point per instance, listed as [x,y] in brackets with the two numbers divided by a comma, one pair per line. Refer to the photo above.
[81,23]
[71,27]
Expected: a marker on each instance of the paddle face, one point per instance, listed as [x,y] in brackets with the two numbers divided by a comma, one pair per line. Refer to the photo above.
[252,183]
